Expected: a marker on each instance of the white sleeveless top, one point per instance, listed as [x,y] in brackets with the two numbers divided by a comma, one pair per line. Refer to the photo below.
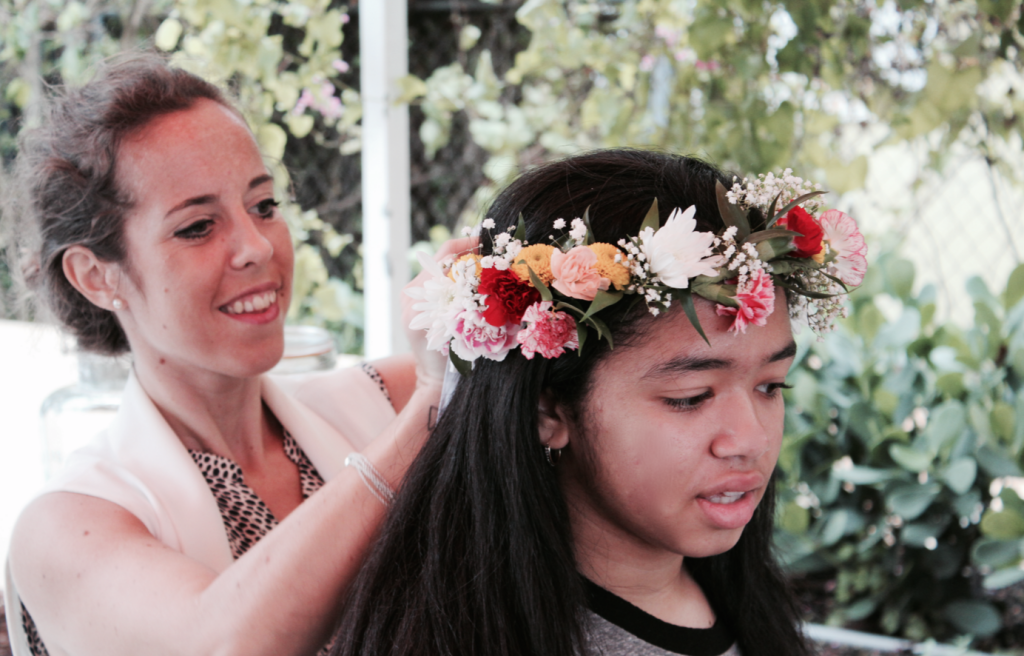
[140,464]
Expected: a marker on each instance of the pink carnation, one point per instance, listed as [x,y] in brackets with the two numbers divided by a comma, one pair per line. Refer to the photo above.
[851,251]
[474,337]
[575,273]
[757,300]
[547,332]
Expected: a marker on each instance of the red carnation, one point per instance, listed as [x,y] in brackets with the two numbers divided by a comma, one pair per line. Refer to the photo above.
[798,220]
[507,296]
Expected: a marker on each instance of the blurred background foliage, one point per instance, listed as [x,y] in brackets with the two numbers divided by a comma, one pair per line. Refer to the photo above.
[902,501]
[905,428]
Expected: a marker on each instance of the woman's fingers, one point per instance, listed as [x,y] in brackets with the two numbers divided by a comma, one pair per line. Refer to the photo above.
[430,364]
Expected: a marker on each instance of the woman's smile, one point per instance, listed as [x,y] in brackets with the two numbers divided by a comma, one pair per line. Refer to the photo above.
[204,232]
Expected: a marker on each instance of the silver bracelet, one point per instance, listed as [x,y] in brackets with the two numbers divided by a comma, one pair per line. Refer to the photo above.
[372,478]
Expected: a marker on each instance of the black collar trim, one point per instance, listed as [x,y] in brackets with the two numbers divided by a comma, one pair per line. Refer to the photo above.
[670,637]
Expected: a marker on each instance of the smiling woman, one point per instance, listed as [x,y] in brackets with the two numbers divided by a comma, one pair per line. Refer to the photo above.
[577,498]
[217,514]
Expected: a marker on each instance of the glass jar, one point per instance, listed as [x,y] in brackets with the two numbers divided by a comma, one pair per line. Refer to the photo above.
[306,348]
[73,415]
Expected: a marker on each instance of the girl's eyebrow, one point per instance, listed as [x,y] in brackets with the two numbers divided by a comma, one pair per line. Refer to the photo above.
[209,198]
[688,364]
[784,353]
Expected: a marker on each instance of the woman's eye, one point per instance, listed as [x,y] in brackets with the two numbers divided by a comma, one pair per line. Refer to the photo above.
[196,230]
[265,208]
[772,389]
[690,402]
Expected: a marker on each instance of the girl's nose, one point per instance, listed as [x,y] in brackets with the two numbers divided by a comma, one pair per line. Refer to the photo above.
[742,434]
[251,246]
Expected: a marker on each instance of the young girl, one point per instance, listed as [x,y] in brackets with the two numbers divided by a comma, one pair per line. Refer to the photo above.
[601,482]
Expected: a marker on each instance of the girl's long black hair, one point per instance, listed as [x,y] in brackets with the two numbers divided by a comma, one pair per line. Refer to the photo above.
[476,556]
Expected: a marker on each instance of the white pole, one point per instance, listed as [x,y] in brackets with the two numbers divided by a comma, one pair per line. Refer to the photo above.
[384,58]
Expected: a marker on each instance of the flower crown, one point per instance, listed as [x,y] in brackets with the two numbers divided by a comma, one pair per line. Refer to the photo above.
[542,298]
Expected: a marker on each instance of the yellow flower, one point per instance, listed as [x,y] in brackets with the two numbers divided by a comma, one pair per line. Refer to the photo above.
[538,258]
[467,256]
[607,267]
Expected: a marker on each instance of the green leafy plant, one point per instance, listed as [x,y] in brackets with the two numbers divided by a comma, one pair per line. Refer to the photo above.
[905,441]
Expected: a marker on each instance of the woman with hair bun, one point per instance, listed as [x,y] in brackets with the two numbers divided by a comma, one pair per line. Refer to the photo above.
[601,481]
[157,233]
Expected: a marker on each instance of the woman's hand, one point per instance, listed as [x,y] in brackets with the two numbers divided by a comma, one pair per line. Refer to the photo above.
[430,365]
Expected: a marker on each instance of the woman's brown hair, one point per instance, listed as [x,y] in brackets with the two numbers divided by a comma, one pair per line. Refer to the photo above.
[66,172]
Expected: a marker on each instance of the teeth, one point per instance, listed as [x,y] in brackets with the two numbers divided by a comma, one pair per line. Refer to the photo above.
[256,303]
[725,497]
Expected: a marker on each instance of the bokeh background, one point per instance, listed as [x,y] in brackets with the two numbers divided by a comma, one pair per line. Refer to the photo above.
[901,510]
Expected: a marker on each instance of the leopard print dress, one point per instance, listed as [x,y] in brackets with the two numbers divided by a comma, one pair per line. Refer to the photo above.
[246,518]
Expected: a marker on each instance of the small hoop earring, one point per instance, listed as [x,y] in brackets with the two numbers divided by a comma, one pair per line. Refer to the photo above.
[118,304]
[552,455]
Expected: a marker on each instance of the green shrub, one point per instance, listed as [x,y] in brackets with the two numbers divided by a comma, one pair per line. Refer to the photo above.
[903,441]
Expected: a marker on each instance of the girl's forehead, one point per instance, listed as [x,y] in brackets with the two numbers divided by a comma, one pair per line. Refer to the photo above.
[669,345]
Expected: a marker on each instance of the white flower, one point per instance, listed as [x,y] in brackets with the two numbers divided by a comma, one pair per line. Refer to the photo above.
[488,224]
[579,231]
[440,302]
[678,253]
[559,224]
[502,240]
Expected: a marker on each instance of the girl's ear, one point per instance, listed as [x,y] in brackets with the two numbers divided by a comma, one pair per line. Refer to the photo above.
[553,424]
[95,279]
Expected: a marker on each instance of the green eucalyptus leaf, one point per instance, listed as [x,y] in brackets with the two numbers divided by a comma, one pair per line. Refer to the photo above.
[651,220]
[771,215]
[1003,578]
[996,553]
[1002,421]
[945,423]
[995,462]
[859,475]
[463,367]
[771,233]
[770,249]
[960,475]
[590,231]
[602,330]
[910,500]
[916,534]
[602,300]
[1003,525]
[793,203]
[520,230]
[835,526]
[715,292]
[545,293]
[731,214]
[1014,287]
[581,335]
[562,305]
[686,300]
[974,617]
[910,458]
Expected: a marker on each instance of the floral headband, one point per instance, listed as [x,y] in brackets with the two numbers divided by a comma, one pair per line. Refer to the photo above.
[542,298]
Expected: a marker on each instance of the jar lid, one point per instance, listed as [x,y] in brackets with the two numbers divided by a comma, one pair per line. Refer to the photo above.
[306,341]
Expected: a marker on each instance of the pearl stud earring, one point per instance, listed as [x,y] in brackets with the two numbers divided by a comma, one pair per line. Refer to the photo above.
[118,304]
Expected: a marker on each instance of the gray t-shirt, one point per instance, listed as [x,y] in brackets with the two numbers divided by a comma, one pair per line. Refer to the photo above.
[616,627]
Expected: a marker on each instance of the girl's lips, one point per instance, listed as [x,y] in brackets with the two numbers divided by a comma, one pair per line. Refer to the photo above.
[730,510]
[251,303]
[254,308]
